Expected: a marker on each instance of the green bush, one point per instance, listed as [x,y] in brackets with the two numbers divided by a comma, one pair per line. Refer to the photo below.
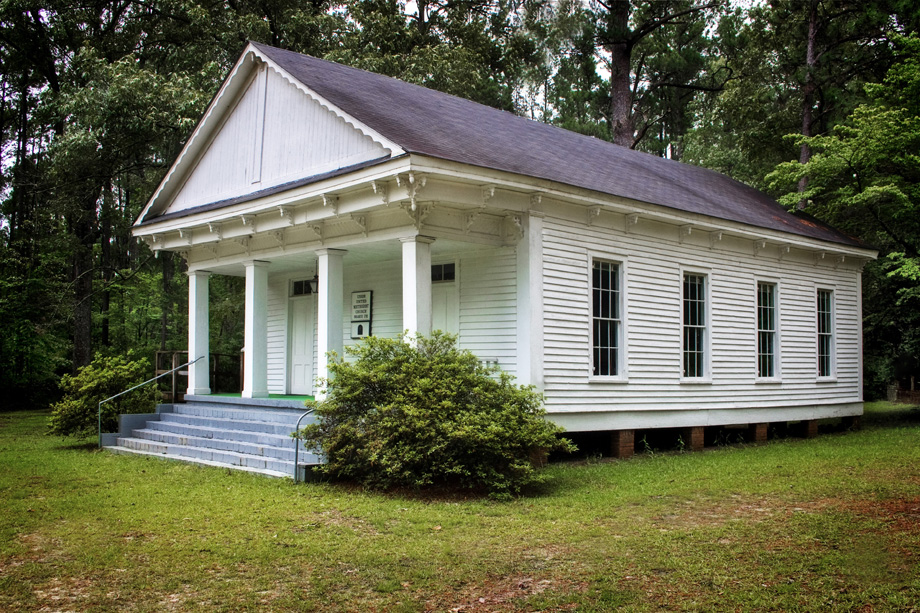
[77,412]
[428,414]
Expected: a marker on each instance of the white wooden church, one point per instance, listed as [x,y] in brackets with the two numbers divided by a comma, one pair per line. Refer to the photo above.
[635,292]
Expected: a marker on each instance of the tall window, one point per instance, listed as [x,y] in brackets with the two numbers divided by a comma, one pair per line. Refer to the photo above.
[766,330]
[825,333]
[694,325]
[605,286]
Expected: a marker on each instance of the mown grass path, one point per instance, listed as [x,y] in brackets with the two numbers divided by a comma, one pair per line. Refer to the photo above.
[828,524]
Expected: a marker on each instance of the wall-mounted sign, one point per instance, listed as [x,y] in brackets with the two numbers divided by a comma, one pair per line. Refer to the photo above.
[361,308]
[361,305]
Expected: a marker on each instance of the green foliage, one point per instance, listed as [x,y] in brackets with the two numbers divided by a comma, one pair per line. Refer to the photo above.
[424,413]
[76,414]
[864,178]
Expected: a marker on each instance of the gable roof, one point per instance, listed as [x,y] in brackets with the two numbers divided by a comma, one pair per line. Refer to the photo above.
[430,123]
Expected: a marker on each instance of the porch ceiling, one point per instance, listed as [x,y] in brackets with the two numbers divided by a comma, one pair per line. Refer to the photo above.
[364,253]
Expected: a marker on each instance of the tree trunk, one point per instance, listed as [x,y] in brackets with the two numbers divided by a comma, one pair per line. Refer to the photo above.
[107,263]
[83,228]
[620,49]
[83,305]
[808,101]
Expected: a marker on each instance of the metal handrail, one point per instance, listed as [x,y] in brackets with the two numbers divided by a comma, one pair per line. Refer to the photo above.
[297,444]
[137,386]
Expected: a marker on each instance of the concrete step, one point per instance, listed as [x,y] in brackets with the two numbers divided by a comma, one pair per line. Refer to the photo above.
[229,459]
[242,436]
[282,450]
[238,434]
[222,423]
[236,413]
[304,468]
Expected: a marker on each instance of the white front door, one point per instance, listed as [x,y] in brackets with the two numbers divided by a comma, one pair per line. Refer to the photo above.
[301,339]
[445,307]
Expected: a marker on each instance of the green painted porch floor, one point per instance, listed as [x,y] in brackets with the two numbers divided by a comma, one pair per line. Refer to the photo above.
[272,396]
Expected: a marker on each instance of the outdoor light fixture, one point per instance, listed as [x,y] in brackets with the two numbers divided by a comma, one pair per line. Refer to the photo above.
[314,283]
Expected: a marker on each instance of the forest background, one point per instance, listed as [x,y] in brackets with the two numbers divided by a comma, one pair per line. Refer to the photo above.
[816,102]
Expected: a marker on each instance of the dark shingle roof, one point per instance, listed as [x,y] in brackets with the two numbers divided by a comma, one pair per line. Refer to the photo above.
[432,123]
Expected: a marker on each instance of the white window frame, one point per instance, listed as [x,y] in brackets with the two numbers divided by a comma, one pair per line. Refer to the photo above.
[706,273]
[777,330]
[832,376]
[620,261]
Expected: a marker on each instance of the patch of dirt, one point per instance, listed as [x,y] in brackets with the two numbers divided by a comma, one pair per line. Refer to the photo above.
[500,594]
[900,515]
[702,514]
[62,594]
[334,517]
[507,593]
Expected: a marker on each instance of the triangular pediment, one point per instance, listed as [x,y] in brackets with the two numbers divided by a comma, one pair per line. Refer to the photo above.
[268,131]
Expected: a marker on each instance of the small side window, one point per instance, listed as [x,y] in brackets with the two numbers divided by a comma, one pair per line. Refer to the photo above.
[301,288]
[443,272]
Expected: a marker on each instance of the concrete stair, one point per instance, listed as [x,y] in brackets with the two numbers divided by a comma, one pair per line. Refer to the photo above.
[252,435]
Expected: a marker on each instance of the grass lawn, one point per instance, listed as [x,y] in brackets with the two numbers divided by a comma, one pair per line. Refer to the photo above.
[828,524]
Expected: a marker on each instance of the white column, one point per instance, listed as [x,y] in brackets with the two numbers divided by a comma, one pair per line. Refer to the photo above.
[530,302]
[198,331]
[416,284]
[330,268]
[255,331]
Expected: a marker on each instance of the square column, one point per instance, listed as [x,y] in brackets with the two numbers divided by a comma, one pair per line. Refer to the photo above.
[416,284]
[255,330]
[198,332]
[330,268]
[530,302]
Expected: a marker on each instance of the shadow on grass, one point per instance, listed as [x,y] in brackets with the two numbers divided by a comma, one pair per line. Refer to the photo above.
[80,445]
[892,416]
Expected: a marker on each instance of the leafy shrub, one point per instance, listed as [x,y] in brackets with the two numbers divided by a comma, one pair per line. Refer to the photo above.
[77,412]
[426,413]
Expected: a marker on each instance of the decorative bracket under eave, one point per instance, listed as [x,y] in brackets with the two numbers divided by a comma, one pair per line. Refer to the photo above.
[361,221]
[417,214]
[839,259]
[784,250]
[331,200]
[278,235]
[714,237]
[820,256]
[632,219]
[287,212]
[212,249]
[470,220]
[594,212]
[317,229]
[413,184]
[516,224]
[186,235]
[685,232]
[249,220]
[155,242]
[216,230]
[487,193]
[759,245]
[244,242]
[383,190]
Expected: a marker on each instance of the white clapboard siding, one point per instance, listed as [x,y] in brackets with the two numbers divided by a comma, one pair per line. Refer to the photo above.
[385,280]
[275,134]
[488,298]
[653,259]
